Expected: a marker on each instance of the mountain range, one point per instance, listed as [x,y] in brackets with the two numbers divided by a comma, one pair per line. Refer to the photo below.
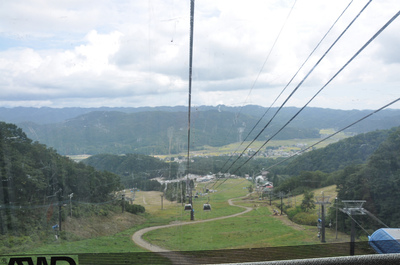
[163,130]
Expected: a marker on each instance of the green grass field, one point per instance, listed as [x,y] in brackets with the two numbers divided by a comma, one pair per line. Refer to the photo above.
[255,229]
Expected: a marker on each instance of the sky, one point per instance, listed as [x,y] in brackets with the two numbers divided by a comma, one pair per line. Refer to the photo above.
[134,53]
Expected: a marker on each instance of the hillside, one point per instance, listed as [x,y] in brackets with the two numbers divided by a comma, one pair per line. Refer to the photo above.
[150,132]
[163,130]
[377,182]
[36,182]
[336,156]
[135,170]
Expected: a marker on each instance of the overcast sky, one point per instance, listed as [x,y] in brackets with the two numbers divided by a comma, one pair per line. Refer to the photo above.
[133,53]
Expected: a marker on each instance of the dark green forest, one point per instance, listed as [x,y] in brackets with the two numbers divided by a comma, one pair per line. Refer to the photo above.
[364,167]
[36,181]
[336,156]
[135,170]
[377,182]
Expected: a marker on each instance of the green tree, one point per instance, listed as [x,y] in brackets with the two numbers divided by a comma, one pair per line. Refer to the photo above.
[308,203]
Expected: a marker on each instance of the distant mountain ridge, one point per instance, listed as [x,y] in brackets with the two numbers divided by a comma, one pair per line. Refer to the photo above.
[163,130]
[46,115]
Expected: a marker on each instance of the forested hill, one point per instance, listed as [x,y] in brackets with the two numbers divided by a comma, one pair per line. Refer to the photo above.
[34,177]
[151,132]
[163,130]
[350,151]
[377,182]
[135,170]
[309,118]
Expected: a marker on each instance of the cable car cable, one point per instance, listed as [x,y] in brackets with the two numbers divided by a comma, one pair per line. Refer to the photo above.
[290,81]
[333,134]
[333,77]
[258,75]
[326,138]
[297,87]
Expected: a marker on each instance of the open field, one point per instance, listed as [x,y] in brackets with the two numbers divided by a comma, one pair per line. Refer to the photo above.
[290,145]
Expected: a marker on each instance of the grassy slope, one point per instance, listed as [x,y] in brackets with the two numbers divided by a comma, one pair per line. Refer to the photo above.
[258,228]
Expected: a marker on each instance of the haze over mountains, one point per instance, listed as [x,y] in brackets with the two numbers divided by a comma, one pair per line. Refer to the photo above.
[163,130]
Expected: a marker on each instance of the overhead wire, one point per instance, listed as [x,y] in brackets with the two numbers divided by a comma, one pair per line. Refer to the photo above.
[329,81]
[333,134]
[359,224]
[290,81]
[324,139]
[351,59]
[270,51]
[259,73]
[298,86]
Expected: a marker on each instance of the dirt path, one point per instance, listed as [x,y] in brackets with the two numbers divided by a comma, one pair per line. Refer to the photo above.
[174,257]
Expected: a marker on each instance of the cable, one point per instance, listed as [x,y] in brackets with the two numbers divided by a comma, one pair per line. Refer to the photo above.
[270,51]
[290,81]
[297,87]
[258,75]
[336,74]
[358,224]
[375,218]
[333,134]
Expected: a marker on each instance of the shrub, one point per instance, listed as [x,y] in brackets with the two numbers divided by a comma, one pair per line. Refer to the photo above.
[305,218]
[291,212]
[134,208]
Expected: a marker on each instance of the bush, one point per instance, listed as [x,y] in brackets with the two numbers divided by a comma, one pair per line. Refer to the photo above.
[305,218]
[134,208]
[291,212]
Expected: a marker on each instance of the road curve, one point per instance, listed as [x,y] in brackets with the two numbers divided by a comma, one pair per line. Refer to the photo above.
[137,236]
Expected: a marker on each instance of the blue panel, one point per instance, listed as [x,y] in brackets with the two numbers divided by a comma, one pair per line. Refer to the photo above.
[385,240]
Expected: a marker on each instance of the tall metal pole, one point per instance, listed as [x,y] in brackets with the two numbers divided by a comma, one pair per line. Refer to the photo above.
[70,202]
[190,100]
[336,214]
[59,208]
[323,224]
[123,203]
[352,236]
[322,200]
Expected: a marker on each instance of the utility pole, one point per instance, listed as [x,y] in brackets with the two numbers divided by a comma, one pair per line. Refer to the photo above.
[336,200]
[123,203]
[281,195]
[70,205]
[322,200]
[190,97]
[270,197]
[59,208]
[162,197]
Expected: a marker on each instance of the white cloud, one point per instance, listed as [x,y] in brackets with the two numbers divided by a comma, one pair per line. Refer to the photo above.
[135,53]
